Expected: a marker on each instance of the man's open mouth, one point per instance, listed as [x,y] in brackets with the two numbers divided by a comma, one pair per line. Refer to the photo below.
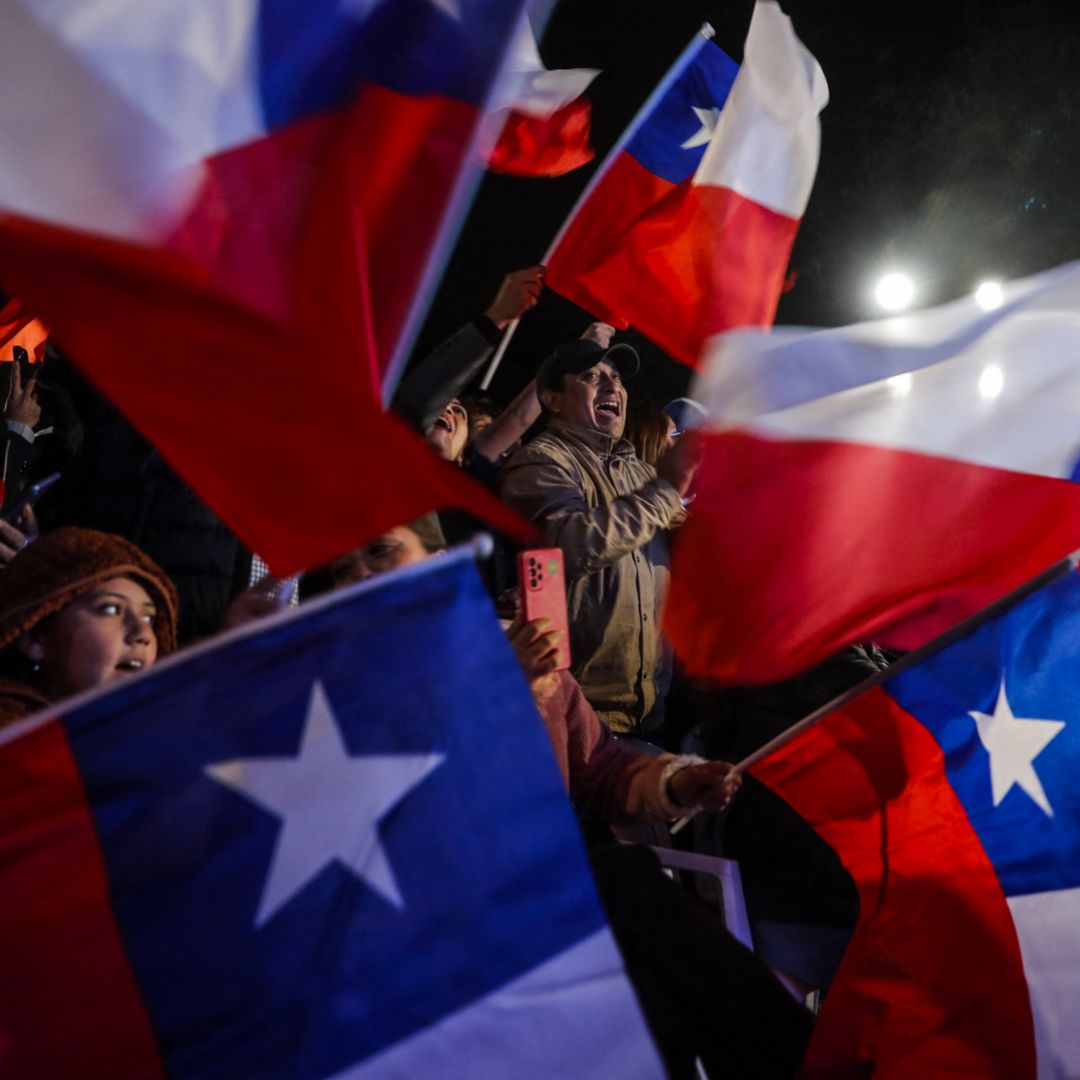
[611,408]
[444,423]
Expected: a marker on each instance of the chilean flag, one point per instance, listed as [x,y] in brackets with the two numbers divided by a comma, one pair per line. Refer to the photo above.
[273,857]
[950,794]
[544,121]
[936,473]
[689,230]
[228,213]
[301,156]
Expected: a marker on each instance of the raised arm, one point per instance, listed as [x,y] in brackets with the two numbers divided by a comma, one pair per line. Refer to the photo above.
[444,373]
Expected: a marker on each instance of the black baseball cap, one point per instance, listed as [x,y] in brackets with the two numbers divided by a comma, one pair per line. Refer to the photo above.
[574,357]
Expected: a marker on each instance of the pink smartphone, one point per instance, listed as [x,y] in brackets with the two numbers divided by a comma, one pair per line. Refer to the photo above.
[543,592]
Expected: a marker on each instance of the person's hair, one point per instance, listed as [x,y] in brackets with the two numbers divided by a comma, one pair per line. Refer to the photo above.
[63,565]
[427,529]
[647,428]
[478,403]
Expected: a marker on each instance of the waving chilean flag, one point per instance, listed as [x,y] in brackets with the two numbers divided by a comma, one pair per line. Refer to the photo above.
[950,794]
[227,213]
[689,229]
[273,144]
[332,845]
[543,120]
[879,482]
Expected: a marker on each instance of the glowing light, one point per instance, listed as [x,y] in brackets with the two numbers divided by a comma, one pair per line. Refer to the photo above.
[899,385]
[895,292]
[989,295]
[991,382]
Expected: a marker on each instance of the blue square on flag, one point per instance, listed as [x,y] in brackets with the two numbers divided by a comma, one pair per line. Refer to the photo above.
[672,139]
[335,846]
[1003,705]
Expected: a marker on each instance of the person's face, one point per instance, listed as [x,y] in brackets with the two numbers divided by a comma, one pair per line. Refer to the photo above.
[450,432]
[595,398]
[396,548]
[479,421]
[105,634]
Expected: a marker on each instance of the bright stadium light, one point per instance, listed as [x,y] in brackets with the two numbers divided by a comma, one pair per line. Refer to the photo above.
[895,292]
[991,382]
[989,295]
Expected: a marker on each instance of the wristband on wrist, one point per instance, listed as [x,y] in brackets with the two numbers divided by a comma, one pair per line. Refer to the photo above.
[667,798]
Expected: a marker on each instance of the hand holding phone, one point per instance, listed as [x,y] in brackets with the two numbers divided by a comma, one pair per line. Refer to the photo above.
[28,498]
[542,586]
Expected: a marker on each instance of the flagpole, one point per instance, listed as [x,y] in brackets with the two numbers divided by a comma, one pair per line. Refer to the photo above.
[908,660]
[464,187]
[660,90]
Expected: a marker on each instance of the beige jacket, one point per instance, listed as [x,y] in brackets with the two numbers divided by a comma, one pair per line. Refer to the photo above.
[594,498]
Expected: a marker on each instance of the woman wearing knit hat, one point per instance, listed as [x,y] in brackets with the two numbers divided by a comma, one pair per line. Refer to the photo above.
[78,609]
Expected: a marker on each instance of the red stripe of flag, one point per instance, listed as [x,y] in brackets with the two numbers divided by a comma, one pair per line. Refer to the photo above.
[703,260]
[69,1003]
[796,548]
[544,146]
[932,983]
[295,456]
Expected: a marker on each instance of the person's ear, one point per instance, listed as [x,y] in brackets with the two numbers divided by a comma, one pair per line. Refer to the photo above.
[549,399]
[30,647]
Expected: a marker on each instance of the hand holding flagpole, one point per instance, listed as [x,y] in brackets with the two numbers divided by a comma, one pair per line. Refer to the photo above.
[1065,566]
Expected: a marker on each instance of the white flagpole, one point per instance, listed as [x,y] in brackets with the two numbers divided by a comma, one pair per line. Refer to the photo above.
[661,89]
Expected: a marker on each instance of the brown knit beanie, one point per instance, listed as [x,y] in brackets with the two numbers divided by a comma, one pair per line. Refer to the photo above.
[61,565]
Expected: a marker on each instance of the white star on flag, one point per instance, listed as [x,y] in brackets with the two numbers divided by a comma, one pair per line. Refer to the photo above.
[361,9]
[708,118]
[329,803]
[1013,743]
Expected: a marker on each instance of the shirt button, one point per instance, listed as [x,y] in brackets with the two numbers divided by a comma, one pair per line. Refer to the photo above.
[645,617]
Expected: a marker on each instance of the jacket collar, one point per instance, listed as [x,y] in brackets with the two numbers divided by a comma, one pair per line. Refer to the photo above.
[591,439]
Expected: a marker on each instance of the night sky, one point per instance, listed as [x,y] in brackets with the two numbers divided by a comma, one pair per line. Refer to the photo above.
[950,149]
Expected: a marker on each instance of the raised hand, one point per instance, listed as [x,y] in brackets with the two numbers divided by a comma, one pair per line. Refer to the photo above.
[536,647]
[22,403]
[711,786]
[518,292]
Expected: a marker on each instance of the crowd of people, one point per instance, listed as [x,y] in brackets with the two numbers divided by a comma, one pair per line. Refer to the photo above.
[119,563]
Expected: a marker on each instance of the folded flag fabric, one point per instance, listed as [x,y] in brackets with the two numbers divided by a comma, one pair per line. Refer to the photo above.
[949,794]
[542,120]
[225,215]
[302,158]
[690,230]
[18,330]
[337,845]
[934,475]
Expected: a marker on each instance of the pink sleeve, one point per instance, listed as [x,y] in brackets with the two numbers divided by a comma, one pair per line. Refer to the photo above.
[621,784]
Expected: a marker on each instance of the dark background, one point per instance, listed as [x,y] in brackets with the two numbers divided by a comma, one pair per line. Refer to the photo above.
[950,149]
